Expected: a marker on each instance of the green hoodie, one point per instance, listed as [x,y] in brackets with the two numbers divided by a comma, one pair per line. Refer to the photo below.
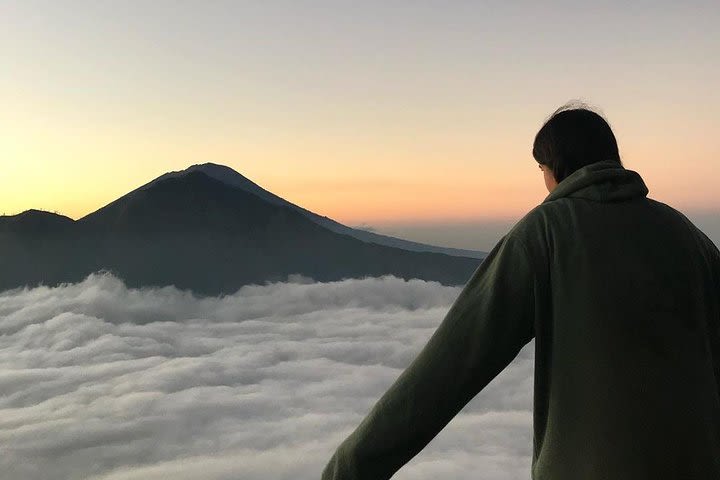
[621,294]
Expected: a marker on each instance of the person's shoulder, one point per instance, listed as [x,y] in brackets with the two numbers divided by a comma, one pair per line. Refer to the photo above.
[532,224]
[532,230]
[699,235]
[664,207]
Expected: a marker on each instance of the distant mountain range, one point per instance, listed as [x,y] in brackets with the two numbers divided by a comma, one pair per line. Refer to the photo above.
[209,229]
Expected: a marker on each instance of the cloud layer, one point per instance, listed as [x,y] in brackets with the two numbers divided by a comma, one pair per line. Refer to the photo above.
[104,382]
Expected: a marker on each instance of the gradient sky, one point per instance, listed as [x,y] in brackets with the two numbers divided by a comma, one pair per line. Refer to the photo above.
[368,112]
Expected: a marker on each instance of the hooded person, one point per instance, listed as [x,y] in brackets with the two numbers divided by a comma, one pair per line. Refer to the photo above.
[621,293]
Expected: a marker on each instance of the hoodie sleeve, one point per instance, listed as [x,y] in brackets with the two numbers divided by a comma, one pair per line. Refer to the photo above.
[485,328]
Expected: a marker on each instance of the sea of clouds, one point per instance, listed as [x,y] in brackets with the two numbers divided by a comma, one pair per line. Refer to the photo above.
[100,381]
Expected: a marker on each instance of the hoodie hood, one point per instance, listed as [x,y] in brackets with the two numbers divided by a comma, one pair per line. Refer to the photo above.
[605,181]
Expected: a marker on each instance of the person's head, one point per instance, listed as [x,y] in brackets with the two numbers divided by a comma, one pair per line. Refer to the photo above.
[572,137]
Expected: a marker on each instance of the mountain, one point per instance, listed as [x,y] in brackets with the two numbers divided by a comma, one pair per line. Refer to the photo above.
[229,176]
[35,221]
[198,232]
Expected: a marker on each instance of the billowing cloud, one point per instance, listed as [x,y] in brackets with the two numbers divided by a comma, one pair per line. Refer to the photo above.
[104,382]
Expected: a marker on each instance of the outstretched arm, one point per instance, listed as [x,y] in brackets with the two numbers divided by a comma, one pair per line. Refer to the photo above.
[485,328]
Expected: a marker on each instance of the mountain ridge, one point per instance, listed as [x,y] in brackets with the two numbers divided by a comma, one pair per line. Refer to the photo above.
[231,177]
[199,233]
[234,178]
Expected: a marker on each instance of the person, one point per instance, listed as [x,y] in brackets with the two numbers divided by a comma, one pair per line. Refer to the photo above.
[620,293]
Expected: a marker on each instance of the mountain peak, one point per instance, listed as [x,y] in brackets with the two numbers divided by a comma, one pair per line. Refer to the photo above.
[209,167]
[34,220]
[215,171]
[37,213]
[219,172]
[230,177]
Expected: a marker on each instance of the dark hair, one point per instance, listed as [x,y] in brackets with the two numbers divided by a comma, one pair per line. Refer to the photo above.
[572,137]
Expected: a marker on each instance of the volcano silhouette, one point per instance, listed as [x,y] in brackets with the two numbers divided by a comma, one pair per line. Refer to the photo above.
[210,230]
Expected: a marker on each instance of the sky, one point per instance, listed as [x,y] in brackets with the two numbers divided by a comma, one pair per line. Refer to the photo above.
[401,116]
[103,382]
